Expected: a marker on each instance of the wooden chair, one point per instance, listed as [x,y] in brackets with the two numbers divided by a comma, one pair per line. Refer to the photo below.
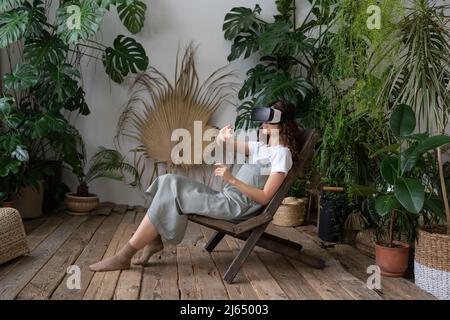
[253,229]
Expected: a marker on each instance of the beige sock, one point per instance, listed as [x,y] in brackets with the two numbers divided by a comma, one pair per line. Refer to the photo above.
[150,249]
[121,260]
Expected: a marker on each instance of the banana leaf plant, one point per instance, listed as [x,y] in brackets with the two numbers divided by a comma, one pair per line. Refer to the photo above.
[409,192]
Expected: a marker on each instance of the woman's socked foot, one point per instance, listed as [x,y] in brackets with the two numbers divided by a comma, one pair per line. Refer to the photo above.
[150,249]
[119,261]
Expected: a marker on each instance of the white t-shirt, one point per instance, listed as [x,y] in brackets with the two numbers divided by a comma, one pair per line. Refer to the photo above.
[278,157]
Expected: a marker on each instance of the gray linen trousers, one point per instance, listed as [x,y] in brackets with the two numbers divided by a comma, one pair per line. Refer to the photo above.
[173,196]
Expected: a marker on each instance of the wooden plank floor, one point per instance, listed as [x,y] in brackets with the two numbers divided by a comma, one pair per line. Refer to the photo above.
[186,271]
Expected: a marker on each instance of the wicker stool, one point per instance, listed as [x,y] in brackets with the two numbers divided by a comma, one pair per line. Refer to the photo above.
[12,235]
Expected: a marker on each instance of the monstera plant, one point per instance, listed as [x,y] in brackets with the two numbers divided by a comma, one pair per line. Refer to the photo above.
[48,41]
[54,47]
[286,51]
[409,192]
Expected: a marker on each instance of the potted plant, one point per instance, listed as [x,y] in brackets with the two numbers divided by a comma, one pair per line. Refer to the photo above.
[28,137]
[105,163]
[407,191]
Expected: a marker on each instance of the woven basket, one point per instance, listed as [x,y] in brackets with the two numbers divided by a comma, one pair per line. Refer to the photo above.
[365,242]
[432,261]
[12,235]
[291,212]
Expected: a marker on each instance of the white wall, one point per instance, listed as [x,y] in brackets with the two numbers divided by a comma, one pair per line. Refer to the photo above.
[169,23]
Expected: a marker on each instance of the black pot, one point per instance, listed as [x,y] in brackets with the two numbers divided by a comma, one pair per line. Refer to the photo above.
[333,212]
[52,185]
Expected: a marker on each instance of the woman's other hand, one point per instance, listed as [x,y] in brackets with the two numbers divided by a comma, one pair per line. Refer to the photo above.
[223,171]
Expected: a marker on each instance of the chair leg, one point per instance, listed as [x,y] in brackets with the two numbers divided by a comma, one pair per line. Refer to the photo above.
[214,241]
[245,251]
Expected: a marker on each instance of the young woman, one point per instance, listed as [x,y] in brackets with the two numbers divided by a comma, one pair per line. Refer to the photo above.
[174,196]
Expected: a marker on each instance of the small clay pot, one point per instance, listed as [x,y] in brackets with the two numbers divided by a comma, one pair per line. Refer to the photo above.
[393,261]
[80,205]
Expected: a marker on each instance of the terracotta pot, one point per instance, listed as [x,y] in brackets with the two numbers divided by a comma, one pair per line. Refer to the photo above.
[393,262]
[7,204]
[80,205]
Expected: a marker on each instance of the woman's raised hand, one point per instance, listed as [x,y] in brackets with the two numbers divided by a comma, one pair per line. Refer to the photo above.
[225,134]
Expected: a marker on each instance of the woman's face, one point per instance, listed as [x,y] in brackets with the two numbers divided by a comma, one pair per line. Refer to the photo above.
[268,127]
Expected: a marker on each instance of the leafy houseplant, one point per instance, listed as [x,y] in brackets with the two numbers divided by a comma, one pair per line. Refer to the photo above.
[26,137]
[285,48]
[408,193]
[105,163]
[53,39]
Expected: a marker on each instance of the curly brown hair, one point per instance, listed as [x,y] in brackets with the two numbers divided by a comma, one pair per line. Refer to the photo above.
[290,132]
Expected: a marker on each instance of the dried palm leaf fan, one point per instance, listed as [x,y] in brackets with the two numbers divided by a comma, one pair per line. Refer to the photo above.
[156,108]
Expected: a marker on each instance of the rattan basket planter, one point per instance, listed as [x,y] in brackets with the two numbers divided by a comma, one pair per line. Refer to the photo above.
[13,242]
[432,261]
[291,212]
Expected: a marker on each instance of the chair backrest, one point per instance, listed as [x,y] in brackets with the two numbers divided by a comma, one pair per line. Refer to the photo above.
[308,139]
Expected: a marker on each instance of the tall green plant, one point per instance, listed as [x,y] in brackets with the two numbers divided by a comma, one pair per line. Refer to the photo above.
[344,102]
[420,76]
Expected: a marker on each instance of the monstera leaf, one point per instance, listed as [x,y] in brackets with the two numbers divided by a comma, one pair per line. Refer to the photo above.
[132,14]
[282,86]
[78,102]
[23,77]
[124,57]
[6,5]
[78,20]
[246,45]
[37,18]
[106,4]
[256,79]
[239,20]
[47,48]
[59,84]
[13,25]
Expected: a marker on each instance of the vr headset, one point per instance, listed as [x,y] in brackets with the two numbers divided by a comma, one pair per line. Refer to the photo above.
[268,114]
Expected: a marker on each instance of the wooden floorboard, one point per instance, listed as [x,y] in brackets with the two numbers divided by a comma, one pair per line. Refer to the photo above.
[186,271]
[29,265]
[103,284]
[241,289]
[92,253]
[49,277]
[160,276]
[129,282]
